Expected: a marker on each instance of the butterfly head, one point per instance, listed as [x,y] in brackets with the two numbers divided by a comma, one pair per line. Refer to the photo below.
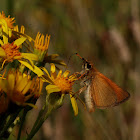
[86,65]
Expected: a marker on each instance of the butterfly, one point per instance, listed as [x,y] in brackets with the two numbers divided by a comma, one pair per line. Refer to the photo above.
[101,92]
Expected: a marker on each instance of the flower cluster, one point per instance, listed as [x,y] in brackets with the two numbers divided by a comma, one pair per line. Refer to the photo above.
[23,73]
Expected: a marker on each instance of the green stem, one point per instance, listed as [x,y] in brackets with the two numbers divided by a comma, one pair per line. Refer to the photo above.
[3,119]
[38,118]
[53,101]
[38,125]
[22,122]
[9,123]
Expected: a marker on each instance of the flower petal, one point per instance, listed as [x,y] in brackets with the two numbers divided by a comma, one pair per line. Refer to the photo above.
[21,84]
[53,73]
[24,35]
[59,73]
[52,67]
[46,72]
[47,79]
[74,105]
[1,43]
[66,73]
[30,56]
[11,80]
[5,30]
[35,69]
[19,41]
[27,87]
[10,33]
[19,76]
[2,52]
[52,88]
[3,85]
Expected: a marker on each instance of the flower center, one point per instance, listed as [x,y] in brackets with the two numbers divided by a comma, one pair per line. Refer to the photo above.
[11,50]
[64,84]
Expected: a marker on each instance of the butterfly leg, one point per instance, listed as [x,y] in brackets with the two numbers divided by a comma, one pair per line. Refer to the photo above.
[81,89]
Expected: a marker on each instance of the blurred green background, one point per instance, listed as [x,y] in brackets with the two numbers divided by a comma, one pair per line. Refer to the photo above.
[106,32]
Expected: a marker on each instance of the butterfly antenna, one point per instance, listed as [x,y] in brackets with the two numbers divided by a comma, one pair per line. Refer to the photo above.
[69,61]
[84,60]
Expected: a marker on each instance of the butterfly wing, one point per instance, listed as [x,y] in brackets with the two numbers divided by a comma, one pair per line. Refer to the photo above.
[106,93]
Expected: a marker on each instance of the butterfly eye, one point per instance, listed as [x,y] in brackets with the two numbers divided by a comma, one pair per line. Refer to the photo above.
[86,66]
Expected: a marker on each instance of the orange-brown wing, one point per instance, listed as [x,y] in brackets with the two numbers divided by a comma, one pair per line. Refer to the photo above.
[106,93]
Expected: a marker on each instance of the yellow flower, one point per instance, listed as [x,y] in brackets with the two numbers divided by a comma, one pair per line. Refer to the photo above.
[61,83]
[41,45]
[8,20]
[18,87]
[10,51]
